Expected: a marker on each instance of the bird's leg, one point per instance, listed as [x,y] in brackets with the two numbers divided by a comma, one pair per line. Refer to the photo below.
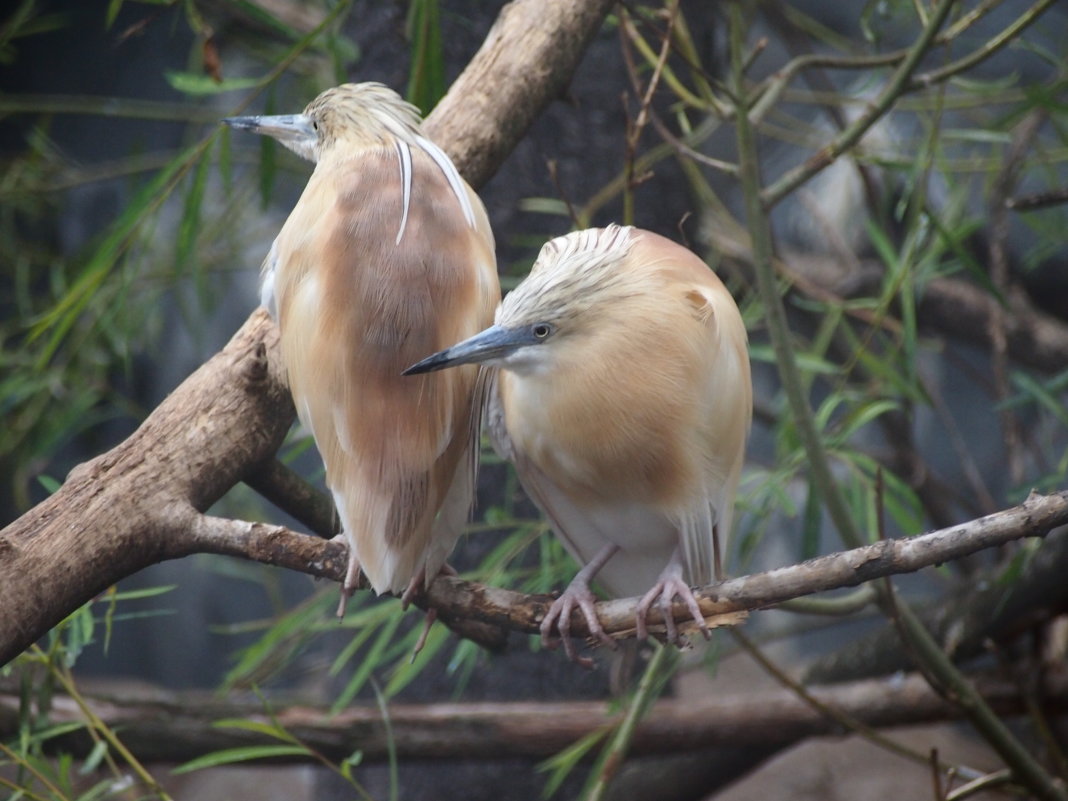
[578,594]
[666,588]
[417,586]
[717,558]
[352,581]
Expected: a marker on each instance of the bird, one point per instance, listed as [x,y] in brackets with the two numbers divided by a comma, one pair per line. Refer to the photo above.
[621,392]
[387,254]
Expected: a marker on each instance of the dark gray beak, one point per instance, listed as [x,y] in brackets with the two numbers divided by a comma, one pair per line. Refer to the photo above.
[493,343]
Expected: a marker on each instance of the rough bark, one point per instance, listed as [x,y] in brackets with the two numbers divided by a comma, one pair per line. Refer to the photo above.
[169,727]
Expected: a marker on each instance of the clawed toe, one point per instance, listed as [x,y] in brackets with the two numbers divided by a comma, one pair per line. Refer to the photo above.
[663,593]
[559,617]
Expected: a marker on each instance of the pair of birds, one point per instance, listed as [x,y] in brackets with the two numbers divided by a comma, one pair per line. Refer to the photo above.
[615,377]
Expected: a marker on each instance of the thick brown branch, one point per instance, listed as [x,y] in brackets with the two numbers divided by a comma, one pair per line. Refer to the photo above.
[171,728]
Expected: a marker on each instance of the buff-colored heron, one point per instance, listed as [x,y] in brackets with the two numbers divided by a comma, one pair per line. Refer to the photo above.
[623,397]
[387,255]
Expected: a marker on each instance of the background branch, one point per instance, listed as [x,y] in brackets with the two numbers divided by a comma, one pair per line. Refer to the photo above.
[172,727]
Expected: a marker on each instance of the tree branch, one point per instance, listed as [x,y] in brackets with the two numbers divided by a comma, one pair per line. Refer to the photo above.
[173,727]
[455,598]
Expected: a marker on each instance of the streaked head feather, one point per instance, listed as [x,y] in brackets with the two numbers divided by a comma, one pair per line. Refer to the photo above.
[572,272]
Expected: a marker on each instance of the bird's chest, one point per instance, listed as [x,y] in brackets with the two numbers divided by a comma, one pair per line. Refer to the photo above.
[599,449]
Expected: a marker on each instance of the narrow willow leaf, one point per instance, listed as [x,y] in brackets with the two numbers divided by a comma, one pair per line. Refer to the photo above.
[96,756]
[230,756]
[58,321]
[198,85]
[189,226]
[560,765]
[146,592]
[268,157]
[810,524]
[426,81]
[259,727]
[371,661]
[406,670]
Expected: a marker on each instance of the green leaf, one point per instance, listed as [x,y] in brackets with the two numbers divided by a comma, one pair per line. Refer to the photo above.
[426,79]
[49,483]
[560,764]
[409,669]
[229,756]
[114,7]
[96,756]
[371,660]
[199,85]
[810,524]
[1042,396]
[58,321]
[268,157]
[146,592]
[259,727]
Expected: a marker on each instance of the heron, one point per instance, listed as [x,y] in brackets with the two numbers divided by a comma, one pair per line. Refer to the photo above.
[387,255]
[621,392]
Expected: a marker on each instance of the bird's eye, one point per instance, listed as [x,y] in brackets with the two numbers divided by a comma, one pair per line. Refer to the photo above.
[315,125]
[541,330]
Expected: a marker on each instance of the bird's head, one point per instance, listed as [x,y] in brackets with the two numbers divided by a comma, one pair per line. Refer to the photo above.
[571,292]
[354,114]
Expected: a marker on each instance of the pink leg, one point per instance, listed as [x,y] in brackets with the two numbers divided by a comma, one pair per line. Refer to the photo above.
[666,588]
[578,594]
[352,581]
[416,587]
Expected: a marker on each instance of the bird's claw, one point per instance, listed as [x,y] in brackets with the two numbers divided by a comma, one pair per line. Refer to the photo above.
[559,616]
[662,593]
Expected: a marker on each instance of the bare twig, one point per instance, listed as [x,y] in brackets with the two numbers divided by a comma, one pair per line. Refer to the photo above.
[456,598]
[1004,184]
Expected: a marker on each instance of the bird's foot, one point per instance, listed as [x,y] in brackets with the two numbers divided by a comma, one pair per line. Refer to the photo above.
[346,593]
[558,616]
[663,593]
[416,588]
[350,585]
[428,621]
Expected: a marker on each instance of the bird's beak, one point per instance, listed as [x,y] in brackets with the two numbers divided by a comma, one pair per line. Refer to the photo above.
[284,127]
[493,343]
[295,131]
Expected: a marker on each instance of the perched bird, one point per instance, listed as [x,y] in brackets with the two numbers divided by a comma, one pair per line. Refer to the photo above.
[387,256]
[624,399]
